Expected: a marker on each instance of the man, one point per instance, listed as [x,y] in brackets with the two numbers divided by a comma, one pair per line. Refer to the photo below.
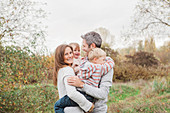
[92,40]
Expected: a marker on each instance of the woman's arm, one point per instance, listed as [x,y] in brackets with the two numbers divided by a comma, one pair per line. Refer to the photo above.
[77,96]
[71,109]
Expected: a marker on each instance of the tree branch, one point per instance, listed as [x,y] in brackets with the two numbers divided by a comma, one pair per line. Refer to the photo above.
[149,25]
[166,1]
[160,20]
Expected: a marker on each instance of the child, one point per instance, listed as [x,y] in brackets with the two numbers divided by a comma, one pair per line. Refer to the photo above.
[76,59]
[76,50]
[90,74]
[97,66]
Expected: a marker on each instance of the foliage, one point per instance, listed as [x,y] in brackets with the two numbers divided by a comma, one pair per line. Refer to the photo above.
[110,52]
[164,53]
[126,51]
[143,59]
[30,98]
[21,66]
[123,97]
[139,65]
[140,46]
[150,45]
[129,72]
[22,37]
[49,65]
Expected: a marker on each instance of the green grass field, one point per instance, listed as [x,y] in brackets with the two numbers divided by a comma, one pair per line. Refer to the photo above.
[131,97]
[140,96]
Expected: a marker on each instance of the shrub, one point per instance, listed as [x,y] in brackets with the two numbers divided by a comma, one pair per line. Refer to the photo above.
[21,66]
[164,56]
[29,99]
[110,52]
[164,53]
[49,65]
[127,71]
[143,59]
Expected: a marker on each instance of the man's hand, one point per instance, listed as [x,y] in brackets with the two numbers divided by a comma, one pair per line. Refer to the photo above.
[75,81]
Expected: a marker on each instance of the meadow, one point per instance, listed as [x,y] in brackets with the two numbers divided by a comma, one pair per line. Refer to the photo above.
[141,80]
[131,97]
[26,83]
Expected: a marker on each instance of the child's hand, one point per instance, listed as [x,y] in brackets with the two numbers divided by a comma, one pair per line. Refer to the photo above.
[76,69]
[76,66]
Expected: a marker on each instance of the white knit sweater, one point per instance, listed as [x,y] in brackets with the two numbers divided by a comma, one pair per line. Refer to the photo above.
[65,89]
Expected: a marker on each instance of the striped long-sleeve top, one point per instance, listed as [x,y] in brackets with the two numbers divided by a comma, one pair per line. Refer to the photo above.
[91,73]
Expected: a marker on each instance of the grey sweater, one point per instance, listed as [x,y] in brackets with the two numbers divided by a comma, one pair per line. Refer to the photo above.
[65,89]
[100,93]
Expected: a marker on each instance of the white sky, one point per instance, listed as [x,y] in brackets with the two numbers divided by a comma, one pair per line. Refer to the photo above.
[69,19]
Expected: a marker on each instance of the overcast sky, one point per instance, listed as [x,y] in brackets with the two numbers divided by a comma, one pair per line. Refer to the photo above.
[69,19]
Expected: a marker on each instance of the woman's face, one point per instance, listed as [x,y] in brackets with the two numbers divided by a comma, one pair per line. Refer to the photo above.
[68,56]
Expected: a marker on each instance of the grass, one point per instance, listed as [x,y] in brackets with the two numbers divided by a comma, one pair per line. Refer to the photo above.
[121,92]
[140,96]
[132,97]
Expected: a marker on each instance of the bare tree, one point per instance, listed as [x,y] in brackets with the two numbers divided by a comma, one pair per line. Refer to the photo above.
[152,17]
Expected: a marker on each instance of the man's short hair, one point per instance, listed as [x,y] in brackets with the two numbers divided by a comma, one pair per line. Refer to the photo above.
[96,53]
[92,37]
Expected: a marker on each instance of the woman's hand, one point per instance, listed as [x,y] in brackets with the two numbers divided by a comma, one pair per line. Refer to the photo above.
[75,81]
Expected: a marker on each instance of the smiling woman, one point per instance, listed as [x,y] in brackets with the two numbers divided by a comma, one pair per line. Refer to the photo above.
[63,70]
[68,56]
[61,54]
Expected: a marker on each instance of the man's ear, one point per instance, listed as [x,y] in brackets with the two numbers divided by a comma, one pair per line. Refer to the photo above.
[94,60]
[93,45]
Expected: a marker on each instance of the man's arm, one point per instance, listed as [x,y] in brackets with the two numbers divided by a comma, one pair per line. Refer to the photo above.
[99,93]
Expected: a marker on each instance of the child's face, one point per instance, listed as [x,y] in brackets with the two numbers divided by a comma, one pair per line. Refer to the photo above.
[100,60]
[76,52]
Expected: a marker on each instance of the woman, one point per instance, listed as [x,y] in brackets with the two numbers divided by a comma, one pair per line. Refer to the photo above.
[63,70]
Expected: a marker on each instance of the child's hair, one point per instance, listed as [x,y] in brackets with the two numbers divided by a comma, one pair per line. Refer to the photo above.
[76,44]
[96,53]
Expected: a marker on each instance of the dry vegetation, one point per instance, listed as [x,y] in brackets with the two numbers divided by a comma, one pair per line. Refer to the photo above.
[141,96]
[141,82]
